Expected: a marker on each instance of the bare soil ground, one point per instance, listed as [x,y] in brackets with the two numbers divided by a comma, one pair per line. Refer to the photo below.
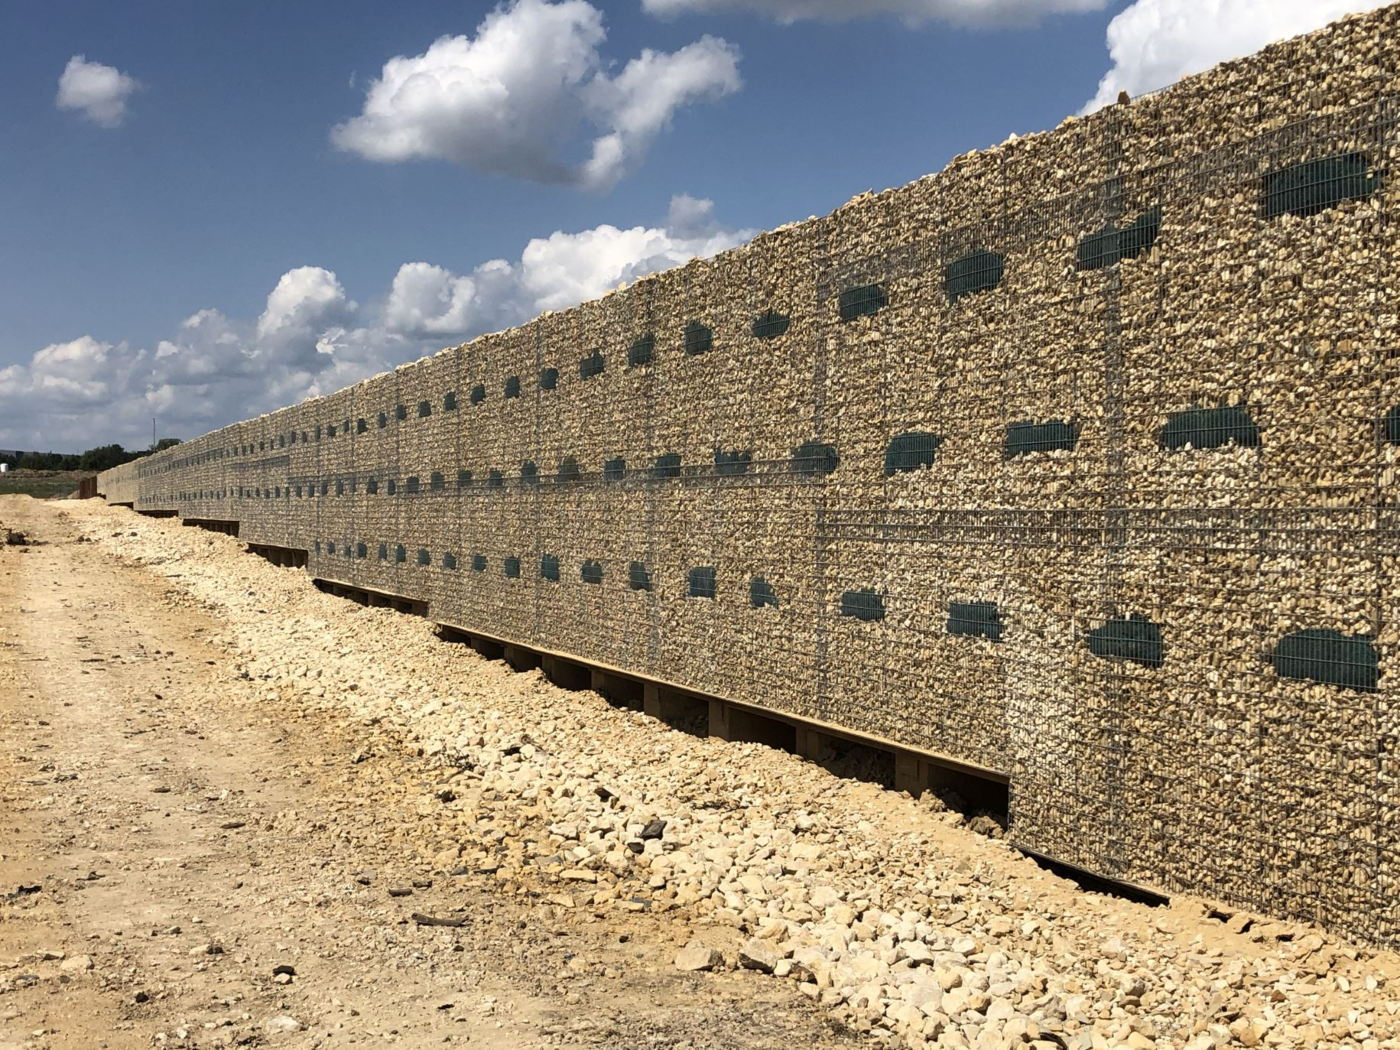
[151,884]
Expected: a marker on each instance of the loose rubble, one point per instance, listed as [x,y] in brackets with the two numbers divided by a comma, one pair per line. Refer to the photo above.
[886,910]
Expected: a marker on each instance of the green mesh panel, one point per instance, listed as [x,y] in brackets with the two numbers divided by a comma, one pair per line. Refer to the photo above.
[383,552]
[494,479]
[568,471]
[700,581]
[478,563]
[425,409]
[615,469]
[1205,428]
[1136,639]
[864,300]
[642,351]
[771,325]
[424,558]
[591,572]
[1330,657]
[361,427]
[464,479]
[668,465]
[449,560]
[698,338]
[733,462]
[814,457]
[1026,437]
[1110,244]
[362,550]
[1316,185]
[761,593]
[512,567]
[512,387]
[978,271]
[400,553]
[864,604]
[549,567]
[383,420]
[638,579]
[478,394]
[401,412]
[410,485]
[975,620]
[592,365]
[529,473]
[436,483]
[1391,426]
[910,451]
[549,378]
[449,401]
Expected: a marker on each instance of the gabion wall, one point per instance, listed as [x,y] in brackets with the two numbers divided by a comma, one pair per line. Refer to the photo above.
[1077,461]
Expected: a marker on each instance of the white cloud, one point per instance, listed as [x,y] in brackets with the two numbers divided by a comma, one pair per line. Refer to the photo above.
[1154,43]
[552,273]
[99,91]
[512,100]
[638,103]
[305,302]
[563,269]
[428,300]
[313,339]
[956,12]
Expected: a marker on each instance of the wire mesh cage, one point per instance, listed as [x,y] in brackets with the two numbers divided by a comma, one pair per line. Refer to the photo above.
[978,271]
[1313,186]
[865,300]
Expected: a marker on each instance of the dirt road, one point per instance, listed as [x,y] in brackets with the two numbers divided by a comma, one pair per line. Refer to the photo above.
[186,860]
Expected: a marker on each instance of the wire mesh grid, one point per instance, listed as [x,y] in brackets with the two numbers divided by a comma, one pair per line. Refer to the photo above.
[964,491]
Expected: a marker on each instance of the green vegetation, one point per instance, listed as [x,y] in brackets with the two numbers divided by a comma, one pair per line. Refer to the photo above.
[104,457]
[40,485]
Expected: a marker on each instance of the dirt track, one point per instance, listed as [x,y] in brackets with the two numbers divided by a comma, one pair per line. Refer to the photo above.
[209,770]
[188,835]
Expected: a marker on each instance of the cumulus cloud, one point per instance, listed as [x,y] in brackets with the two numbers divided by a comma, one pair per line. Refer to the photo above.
[99,92]
[1154,43]
[67,389]
[312,339]
[513,98]
[305,302]
[428,300]
[552,273]
[956,12]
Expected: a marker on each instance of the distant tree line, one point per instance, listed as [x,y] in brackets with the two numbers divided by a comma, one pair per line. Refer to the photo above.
[104,457]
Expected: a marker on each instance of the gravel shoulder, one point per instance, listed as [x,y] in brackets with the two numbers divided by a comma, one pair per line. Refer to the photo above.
[211,770]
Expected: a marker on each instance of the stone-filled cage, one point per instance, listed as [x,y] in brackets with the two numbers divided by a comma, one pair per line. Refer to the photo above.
[1076,463]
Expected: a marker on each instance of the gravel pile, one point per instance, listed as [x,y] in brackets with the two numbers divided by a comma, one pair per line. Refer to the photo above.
[888,910]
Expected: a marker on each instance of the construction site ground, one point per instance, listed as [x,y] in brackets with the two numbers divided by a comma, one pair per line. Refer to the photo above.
[236,811]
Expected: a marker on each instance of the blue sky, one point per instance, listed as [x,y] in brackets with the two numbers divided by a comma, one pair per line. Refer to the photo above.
[184,232]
